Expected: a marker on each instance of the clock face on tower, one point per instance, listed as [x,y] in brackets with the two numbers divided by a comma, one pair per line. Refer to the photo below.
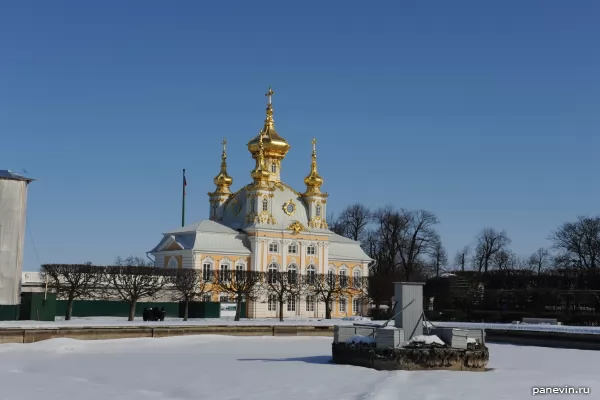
[289,207]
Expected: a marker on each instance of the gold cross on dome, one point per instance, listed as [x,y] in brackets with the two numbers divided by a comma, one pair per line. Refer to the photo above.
[269,94]
[224,143]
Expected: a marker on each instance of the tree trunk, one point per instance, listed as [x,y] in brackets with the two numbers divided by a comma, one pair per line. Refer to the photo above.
[327,310]
[186,309]
[281,308]
[238,308]
[69,311]
[132,310]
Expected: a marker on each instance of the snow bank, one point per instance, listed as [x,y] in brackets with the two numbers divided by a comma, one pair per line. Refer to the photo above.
[593,330]
[427,339]
[361,339]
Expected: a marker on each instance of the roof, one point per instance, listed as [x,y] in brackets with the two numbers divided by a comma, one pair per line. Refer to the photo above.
[343,248]
[205,225]
[8,174]
[206,236]
[282,194]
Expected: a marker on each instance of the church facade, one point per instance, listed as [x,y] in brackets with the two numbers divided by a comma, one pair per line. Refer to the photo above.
[267,225]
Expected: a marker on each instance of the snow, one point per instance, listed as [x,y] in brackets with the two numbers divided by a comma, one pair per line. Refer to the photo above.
[427,339]
[471,340]
[356,318]
[266,368]
[361,339]
[519,327]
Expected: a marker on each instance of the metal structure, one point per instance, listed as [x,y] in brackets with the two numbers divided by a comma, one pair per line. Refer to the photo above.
[409,299]
[13,208]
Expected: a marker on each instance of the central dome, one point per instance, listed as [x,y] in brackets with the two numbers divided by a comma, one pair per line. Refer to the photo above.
[274,146]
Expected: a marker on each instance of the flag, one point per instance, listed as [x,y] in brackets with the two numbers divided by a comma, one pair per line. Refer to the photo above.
[184,184]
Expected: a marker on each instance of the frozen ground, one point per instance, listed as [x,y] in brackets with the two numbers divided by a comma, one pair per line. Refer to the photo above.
[267,368]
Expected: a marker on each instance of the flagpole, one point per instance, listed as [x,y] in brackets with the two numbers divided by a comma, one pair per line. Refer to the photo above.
[183,200]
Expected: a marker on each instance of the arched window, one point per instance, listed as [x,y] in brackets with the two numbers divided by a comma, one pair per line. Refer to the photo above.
[173,262]
[274,168]
[318,210]
[265,205]
[252,205]
[292,274]
[311,273]
[272,273]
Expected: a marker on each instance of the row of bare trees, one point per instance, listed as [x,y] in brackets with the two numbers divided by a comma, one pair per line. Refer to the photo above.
[132,280]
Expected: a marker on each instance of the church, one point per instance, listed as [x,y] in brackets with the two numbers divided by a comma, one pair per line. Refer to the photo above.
[267,225]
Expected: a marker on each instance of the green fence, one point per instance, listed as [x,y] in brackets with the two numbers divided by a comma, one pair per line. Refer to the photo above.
[37,307]
[108,308]
[9,312]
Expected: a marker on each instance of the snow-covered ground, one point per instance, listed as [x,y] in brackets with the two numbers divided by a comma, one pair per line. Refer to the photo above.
[267,368]
[522,327]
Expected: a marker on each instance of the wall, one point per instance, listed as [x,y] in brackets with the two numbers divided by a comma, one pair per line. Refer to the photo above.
[107,308]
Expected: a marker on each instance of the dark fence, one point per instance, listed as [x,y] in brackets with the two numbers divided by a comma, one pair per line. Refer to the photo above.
[511,296]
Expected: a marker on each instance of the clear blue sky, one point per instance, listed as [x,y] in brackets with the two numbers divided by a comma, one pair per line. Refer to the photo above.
[486,113]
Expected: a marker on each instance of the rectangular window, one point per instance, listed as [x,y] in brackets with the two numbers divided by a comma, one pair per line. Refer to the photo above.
[318,210]
[342,304]
[310,250]
[272,303]
[357,279]
[356,306]
[206,273]
[265,205]
[273,247]
[310,303]
[291,303]
[343,279]
[224,275]
[239,272]
[292,249]
[224,298]
[206,298]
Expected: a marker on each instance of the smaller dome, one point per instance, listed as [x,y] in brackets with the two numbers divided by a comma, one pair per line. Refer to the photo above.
[274,146]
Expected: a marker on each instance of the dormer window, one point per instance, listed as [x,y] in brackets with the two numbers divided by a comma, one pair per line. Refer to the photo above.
[265,205]
[318,210]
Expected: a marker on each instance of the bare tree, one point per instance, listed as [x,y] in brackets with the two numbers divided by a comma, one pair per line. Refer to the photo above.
[132,279]
[72,281]
[326,287]
[243,285]
[439,258]
[505,260]
[418,239]
[579,241]
[186,285]
[355,219]
[336,225]
[286,286]
[489,242]
[461,257]
[540,260]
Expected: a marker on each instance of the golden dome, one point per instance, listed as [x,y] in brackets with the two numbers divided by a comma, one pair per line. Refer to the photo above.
[313,181]
[274,146]
[223,181]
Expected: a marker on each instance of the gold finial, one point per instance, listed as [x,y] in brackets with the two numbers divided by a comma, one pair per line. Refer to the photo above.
[269,95]
[313,181]
[260,174]
[223,181]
